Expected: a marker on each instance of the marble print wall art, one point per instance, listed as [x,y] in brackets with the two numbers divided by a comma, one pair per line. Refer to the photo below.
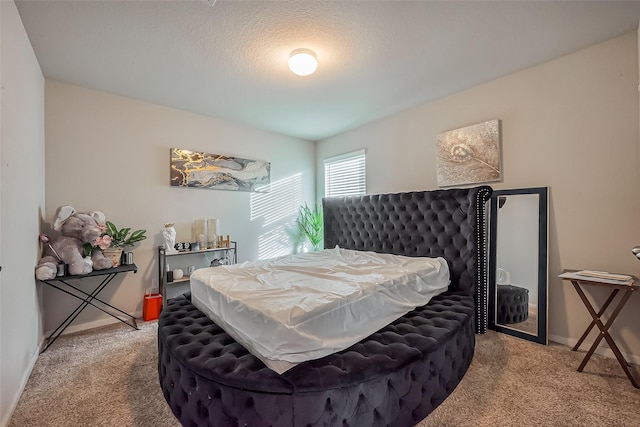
[469,155]
[218,172]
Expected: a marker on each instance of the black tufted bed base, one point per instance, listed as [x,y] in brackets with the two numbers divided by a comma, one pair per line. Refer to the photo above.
[395,377]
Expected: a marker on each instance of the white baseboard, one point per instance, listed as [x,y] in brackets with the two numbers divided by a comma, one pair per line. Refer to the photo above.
[34,358]
[23,383]
[95,324]
[602,350]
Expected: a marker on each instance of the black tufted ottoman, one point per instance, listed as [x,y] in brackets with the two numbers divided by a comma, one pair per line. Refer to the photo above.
[395,377]
[513,304]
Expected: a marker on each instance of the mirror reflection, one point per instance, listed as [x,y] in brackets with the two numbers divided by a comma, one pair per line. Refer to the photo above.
[518,265]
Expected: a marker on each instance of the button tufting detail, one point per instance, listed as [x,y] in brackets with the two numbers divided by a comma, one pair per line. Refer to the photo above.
[396,376]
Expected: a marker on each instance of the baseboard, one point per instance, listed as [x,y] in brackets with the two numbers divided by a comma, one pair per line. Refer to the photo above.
[602,350]
[92,325]
[23,383]
[34,358]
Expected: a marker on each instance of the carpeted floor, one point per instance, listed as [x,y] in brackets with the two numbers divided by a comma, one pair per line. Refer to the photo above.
[108,377]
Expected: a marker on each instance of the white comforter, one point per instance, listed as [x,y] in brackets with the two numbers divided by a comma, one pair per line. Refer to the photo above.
[301,307]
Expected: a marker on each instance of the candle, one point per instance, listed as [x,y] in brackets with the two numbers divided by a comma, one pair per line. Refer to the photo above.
[213,224]
[200,232]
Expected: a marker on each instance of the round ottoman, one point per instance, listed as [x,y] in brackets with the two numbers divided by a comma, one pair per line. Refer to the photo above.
[513,304]
[394,377]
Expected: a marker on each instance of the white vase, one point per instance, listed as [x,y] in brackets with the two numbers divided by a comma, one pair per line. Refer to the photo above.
[169,235]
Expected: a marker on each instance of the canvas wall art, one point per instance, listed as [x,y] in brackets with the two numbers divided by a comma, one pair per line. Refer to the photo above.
[469,155]
[214,171]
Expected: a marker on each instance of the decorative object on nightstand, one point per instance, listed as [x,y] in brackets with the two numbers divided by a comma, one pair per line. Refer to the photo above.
[169,235]
[182,246]
[200,232]
[213,228]
[224,243]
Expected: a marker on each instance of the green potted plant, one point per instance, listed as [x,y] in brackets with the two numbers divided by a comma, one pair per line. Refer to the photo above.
[124,236]
[114,240]
[310,223]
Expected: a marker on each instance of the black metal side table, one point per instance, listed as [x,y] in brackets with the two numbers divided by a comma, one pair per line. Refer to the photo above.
[62,284]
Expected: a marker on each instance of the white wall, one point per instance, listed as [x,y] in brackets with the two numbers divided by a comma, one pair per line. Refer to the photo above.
[570,124]
[110,153]
[21,203]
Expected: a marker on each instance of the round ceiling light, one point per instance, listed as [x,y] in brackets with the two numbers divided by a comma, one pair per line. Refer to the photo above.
[303,62]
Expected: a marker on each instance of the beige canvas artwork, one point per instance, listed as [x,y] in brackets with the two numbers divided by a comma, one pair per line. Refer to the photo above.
[469,155]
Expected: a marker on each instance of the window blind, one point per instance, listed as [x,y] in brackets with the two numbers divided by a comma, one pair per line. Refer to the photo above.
[345,175]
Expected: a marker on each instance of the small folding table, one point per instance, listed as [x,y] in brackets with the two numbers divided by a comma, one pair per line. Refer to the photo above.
[627,289]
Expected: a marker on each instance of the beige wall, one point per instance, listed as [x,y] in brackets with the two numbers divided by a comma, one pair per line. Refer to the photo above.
[110,153]
[570,124]
[21,203]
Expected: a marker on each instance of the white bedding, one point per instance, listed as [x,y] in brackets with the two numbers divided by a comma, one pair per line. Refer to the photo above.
[302,307]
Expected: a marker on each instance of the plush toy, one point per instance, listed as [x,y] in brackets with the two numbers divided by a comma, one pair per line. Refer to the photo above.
[75,230]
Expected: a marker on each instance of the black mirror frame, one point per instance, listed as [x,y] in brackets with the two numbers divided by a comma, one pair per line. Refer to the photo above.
[543,272]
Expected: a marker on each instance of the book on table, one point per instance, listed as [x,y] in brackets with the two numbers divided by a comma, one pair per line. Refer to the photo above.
[599,276]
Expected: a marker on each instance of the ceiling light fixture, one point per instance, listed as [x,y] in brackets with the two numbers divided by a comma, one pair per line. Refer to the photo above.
[303,62]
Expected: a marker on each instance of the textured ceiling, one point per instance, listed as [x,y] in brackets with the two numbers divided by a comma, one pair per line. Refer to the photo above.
[229,60]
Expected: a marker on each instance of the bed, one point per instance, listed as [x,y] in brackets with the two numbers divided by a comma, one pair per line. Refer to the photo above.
[394,377]
[299,307]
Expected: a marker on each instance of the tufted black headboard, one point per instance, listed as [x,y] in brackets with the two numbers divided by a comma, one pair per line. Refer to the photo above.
[446,223]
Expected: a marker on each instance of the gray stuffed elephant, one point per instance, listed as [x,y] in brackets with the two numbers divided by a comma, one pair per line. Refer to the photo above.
[75,230]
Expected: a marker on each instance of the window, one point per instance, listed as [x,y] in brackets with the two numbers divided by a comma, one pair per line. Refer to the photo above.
[345,175]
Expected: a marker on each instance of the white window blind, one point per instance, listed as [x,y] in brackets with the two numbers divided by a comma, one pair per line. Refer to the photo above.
[345,175]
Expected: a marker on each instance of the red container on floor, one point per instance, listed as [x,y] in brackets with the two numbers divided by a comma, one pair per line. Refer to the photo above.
[151,306]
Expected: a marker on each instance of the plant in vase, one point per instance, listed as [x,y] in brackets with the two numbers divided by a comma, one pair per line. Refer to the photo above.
[297,237]
[114,240]
[310,223]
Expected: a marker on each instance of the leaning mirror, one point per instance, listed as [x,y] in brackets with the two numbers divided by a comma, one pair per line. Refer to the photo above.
[518,263]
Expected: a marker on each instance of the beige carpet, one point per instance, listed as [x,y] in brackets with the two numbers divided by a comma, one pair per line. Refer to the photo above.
[108,377]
